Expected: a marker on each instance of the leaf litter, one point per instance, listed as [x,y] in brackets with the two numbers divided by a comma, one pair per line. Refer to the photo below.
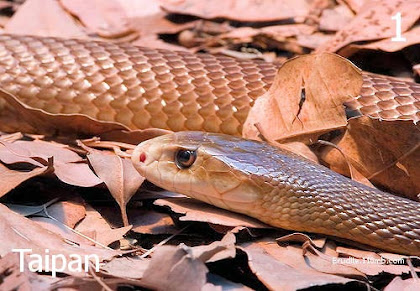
[384,152]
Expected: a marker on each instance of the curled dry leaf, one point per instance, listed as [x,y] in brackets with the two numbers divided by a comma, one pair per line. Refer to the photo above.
[217,250]
[245,10]
[278,275]
[10,179]
[105,17]
[47,17]
[306,99]
[67,165]
[195,210]
[321,260]
[374,22]
[173,268]
[412,37]
[182,267]
[150,21]
[118,175]
[386,152]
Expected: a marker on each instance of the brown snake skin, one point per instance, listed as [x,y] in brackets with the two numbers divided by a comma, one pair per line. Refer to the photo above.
[143,87]
[280,188]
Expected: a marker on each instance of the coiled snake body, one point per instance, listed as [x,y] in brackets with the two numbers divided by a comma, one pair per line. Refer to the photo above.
[142,87]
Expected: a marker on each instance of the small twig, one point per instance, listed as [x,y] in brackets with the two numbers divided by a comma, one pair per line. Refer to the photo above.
[324,142]
[115,146]
[412,271]
[11,137]
[394,162]
[97,279]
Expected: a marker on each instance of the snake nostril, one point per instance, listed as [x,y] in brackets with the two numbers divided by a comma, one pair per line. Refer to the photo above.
[142,157]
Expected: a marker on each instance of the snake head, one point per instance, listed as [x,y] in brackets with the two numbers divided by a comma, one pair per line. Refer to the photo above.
[193,164]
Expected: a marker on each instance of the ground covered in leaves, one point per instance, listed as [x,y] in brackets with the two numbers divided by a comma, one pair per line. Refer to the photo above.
[80,195]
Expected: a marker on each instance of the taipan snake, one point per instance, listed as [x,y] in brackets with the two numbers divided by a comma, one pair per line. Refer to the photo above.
[144,87]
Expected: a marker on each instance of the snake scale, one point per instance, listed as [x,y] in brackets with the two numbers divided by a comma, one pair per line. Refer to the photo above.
[144,87]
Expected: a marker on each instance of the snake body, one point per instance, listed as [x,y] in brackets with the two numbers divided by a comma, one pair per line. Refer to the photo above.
[280,189]
[143,87]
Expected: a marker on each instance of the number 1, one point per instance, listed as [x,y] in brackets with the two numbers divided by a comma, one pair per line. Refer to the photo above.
[398,37]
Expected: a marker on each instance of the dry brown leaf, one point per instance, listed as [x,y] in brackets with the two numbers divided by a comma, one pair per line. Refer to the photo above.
[13,279]
[107,18]
[19,232]
[301,238]
[22,151]
[314,40]
[325,80]
[47,18]
[151,222]
[386,152]
[412,37]
[148,17]
[319,261]
[142,220]
[125,267]
[374,22]
[198,211]
[354,5]
[335,19]
[174,268]
[98,229]
[66,163]
[280,32]
[77,174]
[10,179]
[182,267]
[300,149]
[216,251]
[150,21]
[398,284]
[118,175]
[59,229]
[277,275]
[245,10]
[68,212]
[369,262]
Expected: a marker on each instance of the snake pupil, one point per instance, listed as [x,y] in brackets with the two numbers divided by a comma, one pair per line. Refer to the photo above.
[185,158]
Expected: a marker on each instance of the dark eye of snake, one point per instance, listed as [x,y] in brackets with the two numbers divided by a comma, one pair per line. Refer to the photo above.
[185,158]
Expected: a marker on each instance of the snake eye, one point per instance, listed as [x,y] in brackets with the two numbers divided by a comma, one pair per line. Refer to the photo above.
[185,158]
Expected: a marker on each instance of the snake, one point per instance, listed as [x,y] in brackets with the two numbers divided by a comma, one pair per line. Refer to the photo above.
[205,99]
[279,188]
